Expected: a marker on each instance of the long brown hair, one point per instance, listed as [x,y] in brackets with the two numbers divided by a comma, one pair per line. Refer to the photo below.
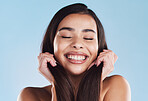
[89,87]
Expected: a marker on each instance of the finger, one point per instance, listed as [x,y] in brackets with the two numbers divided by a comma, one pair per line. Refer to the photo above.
[105,50]
[102,54]
[47,55]
[112,54]
[52,62]
[99,60]
[46,59]
[115,58]
[39,57]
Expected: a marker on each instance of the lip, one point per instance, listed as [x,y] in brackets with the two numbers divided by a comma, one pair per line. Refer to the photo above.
[76,61]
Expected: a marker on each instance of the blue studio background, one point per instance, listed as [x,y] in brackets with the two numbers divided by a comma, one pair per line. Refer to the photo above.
[23,24]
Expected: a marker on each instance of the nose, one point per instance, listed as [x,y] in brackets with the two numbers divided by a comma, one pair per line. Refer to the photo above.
[77,44]
[77,47]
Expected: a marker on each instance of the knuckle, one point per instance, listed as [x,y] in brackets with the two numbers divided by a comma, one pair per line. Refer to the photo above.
[108,55]
[41,53]
[101,53]
[104,49]
[46,53]
[51,55]
[46,57]
[43,57]
[110,51]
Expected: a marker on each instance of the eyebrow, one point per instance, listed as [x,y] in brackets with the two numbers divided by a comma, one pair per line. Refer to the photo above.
[66,28]
[72,29]
[88,30]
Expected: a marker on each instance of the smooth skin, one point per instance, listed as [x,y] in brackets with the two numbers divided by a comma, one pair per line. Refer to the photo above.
[78,33]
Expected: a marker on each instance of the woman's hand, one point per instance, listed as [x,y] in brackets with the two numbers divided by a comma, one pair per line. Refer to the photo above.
[108,58]
[43,58]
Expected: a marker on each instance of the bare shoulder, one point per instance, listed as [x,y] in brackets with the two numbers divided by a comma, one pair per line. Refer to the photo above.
[34,94]
[116,88]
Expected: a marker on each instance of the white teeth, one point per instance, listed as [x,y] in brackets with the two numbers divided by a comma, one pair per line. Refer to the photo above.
[76,57]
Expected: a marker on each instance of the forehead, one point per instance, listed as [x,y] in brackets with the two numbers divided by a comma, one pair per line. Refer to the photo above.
[78,21]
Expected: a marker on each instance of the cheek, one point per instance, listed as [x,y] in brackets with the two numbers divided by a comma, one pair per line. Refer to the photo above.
[59,46]
[93,46]
[59,50]
[93,49]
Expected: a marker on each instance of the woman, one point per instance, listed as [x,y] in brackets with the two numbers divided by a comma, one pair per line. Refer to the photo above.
[76,61]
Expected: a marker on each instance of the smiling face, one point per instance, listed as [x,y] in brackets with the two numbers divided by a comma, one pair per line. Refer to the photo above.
[76,43]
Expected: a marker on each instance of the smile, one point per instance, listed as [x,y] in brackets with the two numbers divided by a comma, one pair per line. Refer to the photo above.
[76,57]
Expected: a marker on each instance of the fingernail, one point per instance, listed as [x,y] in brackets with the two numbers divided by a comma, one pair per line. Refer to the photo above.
[54,63]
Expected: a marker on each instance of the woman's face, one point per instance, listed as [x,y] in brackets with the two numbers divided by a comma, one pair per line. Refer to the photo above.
[76,43]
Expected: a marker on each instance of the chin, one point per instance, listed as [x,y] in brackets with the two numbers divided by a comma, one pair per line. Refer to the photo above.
[75,72]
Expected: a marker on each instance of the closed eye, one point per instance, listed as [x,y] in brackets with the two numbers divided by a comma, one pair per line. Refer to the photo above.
[88,38]
[65,37]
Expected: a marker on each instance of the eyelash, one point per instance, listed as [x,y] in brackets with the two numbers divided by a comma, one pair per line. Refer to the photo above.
[84,38]
[65,37]
[88,38]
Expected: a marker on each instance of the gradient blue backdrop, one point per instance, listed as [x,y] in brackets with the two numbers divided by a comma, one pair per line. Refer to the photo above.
[23,24]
